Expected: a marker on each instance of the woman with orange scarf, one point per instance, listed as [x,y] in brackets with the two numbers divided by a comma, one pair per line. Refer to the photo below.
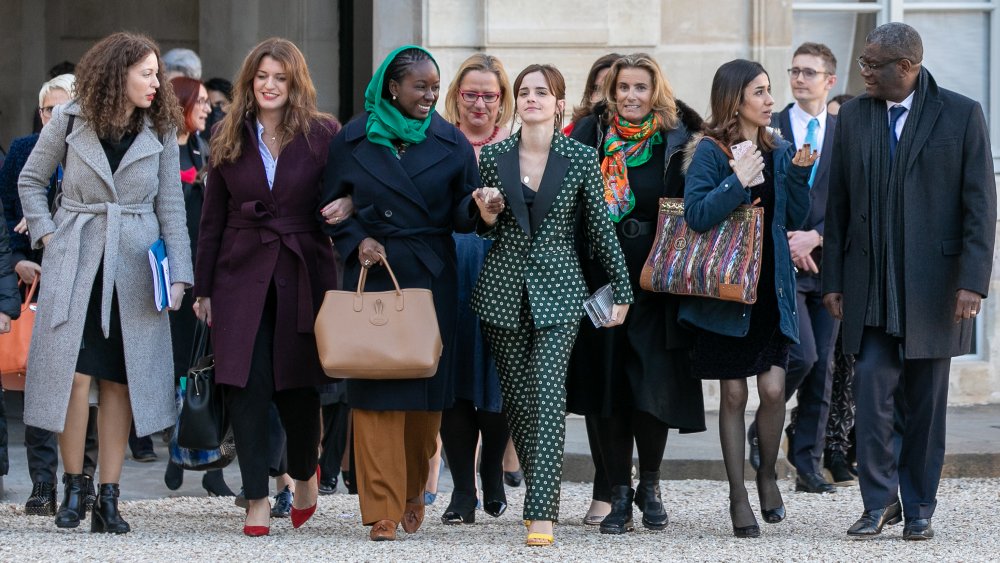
[632,381]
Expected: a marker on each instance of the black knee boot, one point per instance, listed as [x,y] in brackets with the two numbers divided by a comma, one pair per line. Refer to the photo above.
[73,507]
[619,520]
[647,498]
[105,518]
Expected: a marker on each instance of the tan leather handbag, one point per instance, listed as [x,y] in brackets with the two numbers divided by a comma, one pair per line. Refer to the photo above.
[14,345]
[378,334]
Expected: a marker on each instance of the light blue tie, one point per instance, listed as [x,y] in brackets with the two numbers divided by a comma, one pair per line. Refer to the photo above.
[811,141]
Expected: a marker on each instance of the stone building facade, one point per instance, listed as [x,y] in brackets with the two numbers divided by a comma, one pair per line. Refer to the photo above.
[344,40]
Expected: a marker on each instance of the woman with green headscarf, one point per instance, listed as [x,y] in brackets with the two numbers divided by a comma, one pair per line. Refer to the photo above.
[412,176]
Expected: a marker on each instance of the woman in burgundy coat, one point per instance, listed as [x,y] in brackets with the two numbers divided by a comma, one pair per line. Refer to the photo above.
[264,265]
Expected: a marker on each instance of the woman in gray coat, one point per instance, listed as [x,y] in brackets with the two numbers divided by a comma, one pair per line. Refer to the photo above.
[97,318]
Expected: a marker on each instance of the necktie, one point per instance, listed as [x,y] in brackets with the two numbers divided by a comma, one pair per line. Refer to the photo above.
[811,141]
[895,112]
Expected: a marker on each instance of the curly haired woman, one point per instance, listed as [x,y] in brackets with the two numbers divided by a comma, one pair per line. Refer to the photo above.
[96,318]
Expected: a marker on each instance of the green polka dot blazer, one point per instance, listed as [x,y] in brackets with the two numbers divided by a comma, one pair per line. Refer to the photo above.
[534,247]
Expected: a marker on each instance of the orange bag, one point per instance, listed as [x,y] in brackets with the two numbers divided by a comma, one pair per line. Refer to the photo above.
[14,345]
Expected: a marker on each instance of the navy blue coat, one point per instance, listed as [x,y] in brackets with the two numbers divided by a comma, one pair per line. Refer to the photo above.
[411,205]
[711,192]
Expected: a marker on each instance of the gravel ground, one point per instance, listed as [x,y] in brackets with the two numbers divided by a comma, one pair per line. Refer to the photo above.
[208,529]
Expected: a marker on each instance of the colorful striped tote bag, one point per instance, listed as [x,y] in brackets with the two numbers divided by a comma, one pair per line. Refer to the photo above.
[722,263]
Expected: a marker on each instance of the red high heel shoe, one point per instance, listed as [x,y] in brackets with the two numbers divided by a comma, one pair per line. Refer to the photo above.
[256,531]
[301,516]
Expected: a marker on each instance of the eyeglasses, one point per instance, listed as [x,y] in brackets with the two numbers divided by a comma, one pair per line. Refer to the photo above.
[471,97]
[864,65]
[806,73]
[204,102]
[46,110]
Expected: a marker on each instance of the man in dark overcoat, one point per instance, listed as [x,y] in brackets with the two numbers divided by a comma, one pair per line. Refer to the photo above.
[908,252]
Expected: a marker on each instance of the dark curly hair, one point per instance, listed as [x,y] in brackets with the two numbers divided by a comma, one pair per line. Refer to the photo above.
[102,76]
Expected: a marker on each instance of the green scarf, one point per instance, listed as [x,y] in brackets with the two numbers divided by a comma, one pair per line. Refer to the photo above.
[386,123]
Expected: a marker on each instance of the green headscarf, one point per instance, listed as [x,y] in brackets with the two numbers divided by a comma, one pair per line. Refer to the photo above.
[386,123]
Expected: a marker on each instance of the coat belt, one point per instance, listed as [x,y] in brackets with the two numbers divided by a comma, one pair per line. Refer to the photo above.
[254,215]
[84,212]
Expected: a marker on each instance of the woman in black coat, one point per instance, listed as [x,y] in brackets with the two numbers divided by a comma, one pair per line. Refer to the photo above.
[411,175]
[633,381]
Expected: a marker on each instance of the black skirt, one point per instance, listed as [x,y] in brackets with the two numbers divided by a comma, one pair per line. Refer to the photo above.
[716,356]
[100,357]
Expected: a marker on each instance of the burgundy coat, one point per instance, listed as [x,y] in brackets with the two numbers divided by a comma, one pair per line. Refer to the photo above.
[251,237]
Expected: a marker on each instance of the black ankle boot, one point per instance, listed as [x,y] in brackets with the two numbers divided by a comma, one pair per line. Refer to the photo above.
[73,508]
[619,520]
[105,518]
[647,499]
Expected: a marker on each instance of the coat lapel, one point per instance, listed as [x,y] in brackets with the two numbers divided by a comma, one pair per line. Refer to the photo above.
[259,173]
[552,180]
[88,147]
[145,144]
[509,171]
[424,155]
[925,123]
[386,168]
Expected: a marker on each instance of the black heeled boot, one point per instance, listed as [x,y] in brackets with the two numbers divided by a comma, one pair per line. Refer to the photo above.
[649,502]
[73,508]
[619,520]
[106,519]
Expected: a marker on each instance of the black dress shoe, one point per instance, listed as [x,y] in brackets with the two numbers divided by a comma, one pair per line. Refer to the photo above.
[649,501]
[328,485]
[813,483]
[91,494]
[619,520]
[215,484]
[173,477]
[513,478]
[73,508]
[495,508]
[42,501]
[872,521]
[451,517]
[918,529]
[751,531]
[840,470]
[106,519]
[754,446]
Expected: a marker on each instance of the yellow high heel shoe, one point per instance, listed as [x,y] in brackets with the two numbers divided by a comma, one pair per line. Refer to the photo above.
[536,539]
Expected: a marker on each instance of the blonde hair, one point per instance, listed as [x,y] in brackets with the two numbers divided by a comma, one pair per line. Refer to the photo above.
[663,103]
[483,63]
[64,82]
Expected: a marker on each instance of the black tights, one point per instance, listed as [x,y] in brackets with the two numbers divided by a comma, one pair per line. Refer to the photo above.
[615,436]
[461,426]
[732,429]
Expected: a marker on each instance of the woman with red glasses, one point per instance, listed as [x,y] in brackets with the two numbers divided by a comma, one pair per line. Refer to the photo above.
[479,102]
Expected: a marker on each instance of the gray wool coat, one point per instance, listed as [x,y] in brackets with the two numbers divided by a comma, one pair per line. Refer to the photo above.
[114,218]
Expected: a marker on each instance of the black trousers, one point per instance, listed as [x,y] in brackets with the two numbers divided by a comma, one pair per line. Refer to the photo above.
[879,372]
[248,406]
[810,375]
[461,427]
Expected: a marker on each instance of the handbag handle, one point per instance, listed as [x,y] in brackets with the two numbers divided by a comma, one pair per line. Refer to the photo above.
[30,294]
[201,344]
[359,297]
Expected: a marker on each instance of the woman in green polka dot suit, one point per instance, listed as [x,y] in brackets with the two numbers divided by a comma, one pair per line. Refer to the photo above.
[531,290]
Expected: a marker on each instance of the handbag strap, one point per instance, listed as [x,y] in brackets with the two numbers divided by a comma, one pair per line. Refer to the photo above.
[724,148]
[202,342]
[31,293]
[364,277]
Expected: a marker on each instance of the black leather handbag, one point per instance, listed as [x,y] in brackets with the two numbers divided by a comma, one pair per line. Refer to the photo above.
[202,422]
